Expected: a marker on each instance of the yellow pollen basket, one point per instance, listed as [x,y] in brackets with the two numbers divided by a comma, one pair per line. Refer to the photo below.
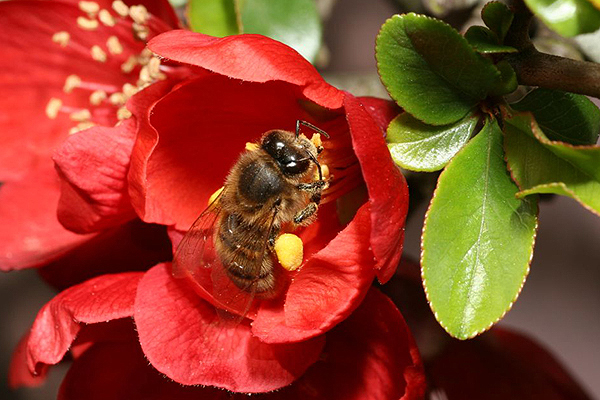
[290,251]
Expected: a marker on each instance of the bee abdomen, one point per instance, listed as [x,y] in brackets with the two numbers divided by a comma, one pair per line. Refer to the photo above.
[243,253]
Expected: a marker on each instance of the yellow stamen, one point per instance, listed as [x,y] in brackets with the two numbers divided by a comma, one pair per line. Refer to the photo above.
[62,38]
[129,65]
[290,251]
[71,83]
[81,126]
[87,24]
[114,46]
[140,31]
[120,8]
[251,146]
[316,139]
[105,17]
[53,107]
[89,7]
[154,67]
[145,75]
[214,196]
[97,97]
[81,115]
[129,90]
[324,170]
[98,54]
[123,113]
[118,99]
[139,14]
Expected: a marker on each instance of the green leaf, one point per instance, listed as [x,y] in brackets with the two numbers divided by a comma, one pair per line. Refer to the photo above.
[477,240]
[498,17]
[420,147]
[485,41]
[430,69]
[567,17]
[213,17]
[508,79]
[563,116]
[293,22]
[541,166]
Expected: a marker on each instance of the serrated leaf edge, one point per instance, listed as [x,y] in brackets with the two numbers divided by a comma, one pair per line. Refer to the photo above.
[424,281]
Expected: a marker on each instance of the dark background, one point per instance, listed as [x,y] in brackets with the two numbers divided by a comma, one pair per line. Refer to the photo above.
[558,305]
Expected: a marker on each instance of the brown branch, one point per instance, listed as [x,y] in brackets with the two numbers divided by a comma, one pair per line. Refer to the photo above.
[534,68]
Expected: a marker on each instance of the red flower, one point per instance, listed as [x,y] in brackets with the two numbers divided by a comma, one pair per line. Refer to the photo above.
[371,355]
[189,138]
[61,69]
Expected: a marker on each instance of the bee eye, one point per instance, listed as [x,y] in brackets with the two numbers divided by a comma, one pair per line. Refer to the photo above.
[295,167]
[291,160]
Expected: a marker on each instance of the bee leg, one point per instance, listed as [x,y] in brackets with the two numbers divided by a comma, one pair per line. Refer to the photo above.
[304,215]
[314,187]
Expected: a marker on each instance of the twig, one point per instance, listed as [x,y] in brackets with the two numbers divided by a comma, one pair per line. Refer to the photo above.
[534,68]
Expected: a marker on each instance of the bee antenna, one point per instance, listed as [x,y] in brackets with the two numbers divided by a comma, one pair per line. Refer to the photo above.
[314,159]
[311,126]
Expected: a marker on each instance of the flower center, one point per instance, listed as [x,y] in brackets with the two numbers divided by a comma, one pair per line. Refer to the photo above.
[122,34]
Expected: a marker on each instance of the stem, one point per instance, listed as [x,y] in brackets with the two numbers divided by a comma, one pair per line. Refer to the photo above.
[534,68]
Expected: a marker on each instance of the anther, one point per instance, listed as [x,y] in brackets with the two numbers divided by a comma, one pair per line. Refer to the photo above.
[89,7]
[97,97]
[145,74]
[129,90]
[105,17]
[53,107]
[62,38]
[138,14]
[129,65]
[71,83]
[87,24]
[81,127]
[120,8]
[123,113]
[154,68]
[81,115]
[140,31]
[118,99]
[114,46]
[98,54]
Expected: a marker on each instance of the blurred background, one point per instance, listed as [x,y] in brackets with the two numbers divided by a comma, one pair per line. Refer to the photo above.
[559,304]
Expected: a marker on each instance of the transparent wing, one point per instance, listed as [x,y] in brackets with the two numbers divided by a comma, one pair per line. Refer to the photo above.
[197,259]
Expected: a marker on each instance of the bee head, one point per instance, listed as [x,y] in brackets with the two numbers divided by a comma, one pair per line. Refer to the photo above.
[292,154]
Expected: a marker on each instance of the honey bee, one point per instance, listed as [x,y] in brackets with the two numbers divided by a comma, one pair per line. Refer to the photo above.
[228,250]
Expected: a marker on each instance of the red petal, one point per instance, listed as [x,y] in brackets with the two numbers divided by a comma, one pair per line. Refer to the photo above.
[253,58]
[203,127]
[119,371]
[383,111]
[369,356]
[18,374]
[326,290]
[134,246]
[33,69]
[101,299]
[388,192]
[93,165]
[501,365]
[183,337]
[30,234]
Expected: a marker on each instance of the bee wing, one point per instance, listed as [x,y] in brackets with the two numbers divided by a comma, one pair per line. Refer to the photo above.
[196,258]
[196,249]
